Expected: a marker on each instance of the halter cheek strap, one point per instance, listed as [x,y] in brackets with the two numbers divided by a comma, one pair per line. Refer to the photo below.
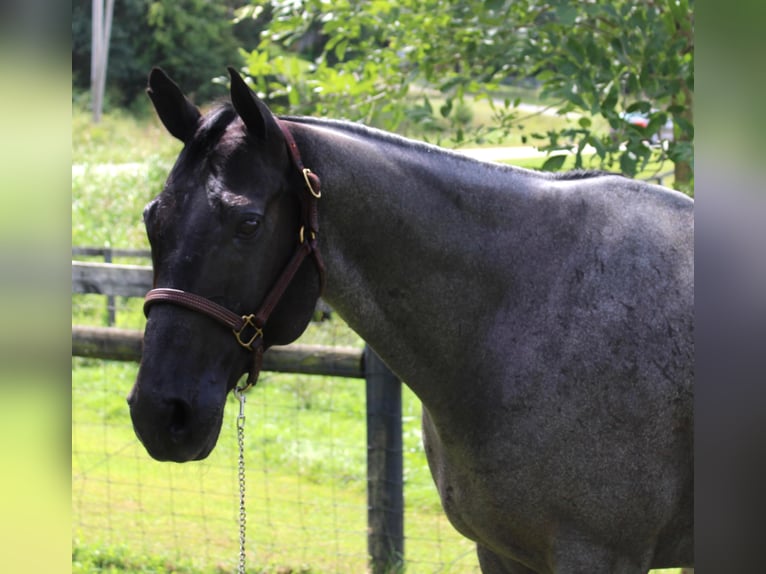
[248,329]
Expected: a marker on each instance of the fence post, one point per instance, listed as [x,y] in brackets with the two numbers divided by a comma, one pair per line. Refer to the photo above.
[385,484]
[110,306]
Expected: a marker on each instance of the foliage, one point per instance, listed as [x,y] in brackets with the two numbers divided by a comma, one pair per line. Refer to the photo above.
[128,55]
[597,59]
[193,39]
[412,66]
[624,57]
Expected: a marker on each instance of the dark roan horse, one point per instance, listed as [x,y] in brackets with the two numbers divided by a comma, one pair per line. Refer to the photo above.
[545,321]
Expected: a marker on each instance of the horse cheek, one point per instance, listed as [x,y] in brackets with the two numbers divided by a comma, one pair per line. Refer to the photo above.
[294,311]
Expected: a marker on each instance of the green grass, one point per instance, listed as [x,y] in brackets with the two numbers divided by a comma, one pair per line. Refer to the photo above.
[88,558]
[119,138]
[305,452]
[107,203]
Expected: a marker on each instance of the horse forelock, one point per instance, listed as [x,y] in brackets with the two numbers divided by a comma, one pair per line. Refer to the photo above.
[214,132]
[216,138]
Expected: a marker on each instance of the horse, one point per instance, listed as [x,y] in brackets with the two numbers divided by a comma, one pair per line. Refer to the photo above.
[544,320]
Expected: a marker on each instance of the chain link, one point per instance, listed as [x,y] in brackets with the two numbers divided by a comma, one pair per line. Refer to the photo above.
[241,475]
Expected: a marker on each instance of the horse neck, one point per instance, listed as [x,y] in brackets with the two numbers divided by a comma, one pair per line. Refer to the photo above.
[403,231]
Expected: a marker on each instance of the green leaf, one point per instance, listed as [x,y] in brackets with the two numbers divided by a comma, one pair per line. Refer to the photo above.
[451,83]
[641,106]
[628,164]
[446,108]
[340,49]
[545,75]
[576,49]
[566,13]
[494,4]
[610,100]
[685,126]
[427,105]
[598,146]
[332,42]
[656,121]
[293,97]
[554,162]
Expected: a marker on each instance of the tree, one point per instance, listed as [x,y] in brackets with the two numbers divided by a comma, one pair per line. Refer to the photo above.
[603,58]
[593,58]
[193,39]
[100,36]
[128,62]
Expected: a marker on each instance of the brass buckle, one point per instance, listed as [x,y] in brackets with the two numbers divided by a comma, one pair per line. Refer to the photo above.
[257,332]
[306,172]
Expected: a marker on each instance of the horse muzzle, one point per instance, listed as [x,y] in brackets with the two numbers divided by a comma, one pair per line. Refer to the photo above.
[171,428]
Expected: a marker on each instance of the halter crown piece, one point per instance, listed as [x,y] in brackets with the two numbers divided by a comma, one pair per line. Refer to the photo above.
[248,329]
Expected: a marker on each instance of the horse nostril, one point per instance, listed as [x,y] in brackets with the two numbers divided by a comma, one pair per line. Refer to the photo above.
[178,416]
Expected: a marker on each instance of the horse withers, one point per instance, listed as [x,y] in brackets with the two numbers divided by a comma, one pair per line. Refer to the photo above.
[545,321]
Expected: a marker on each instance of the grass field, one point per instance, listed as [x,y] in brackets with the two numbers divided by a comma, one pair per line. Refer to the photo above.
[305,436]
[305,451]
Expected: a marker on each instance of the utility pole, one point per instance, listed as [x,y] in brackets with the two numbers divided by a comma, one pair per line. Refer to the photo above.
[101,31]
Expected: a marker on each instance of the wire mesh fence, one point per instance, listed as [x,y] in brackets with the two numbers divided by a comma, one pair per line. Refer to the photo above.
[305,454]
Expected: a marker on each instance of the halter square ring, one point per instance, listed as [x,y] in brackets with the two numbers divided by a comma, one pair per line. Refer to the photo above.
[248,322]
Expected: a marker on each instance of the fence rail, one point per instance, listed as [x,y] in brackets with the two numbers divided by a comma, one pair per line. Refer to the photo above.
[109,252]
[113,344]
[109,279]
[384,419]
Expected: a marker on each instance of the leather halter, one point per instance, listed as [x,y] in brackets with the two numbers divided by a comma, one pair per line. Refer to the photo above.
[248,329]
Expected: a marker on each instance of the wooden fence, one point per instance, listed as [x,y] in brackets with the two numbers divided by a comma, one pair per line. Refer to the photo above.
[385,540]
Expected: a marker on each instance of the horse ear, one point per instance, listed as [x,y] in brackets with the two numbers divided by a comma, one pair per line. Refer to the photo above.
[176,112]
[254,113]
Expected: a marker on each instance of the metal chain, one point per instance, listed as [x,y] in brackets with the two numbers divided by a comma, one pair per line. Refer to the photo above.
[242,511]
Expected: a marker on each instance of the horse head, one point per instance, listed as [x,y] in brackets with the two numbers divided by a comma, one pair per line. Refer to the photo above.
[221,231]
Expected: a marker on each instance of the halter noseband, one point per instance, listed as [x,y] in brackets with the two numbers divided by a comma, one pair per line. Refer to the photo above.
[248,329]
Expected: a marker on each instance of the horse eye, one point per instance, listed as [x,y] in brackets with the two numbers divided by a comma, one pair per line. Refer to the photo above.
[247,228]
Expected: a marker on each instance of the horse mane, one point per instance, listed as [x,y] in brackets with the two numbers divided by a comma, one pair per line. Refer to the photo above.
[395,139]
[581,174]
